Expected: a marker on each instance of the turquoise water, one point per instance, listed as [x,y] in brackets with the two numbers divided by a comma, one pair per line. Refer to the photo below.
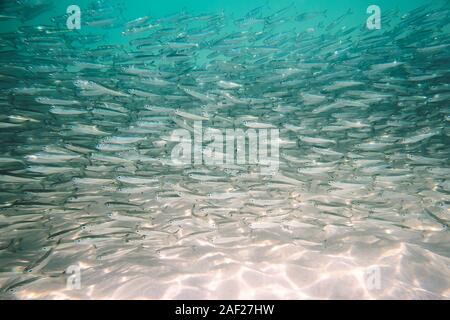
[233,8]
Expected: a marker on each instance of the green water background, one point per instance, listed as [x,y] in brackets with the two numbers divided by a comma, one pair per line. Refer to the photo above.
[233,9]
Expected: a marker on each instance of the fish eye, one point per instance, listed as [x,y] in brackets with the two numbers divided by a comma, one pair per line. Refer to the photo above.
[209,195]
[30,270]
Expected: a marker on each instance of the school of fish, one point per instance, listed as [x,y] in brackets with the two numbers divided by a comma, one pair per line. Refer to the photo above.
[86,176]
